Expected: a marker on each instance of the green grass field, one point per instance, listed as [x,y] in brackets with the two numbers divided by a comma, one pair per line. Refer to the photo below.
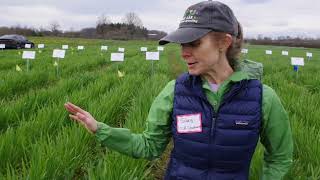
[38,140]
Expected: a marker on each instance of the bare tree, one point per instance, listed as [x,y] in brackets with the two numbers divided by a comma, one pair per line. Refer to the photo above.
[103,19]
[54,28]
[132,18]
[102,25]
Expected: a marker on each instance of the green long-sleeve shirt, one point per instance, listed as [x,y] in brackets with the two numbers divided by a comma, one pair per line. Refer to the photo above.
[275,134]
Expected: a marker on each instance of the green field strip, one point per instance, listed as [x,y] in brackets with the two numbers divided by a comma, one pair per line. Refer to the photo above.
[49,121]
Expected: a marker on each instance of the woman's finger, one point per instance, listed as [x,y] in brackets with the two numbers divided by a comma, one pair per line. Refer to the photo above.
[75,108]
[70,109]
[84,121]
[76,118]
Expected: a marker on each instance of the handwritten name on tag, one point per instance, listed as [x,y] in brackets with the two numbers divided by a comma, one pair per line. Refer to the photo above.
[189,123]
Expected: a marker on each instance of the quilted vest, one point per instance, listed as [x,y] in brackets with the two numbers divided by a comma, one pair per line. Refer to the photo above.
[214,144]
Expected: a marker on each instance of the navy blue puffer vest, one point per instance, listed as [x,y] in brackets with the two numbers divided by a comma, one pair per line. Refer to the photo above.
[214,144]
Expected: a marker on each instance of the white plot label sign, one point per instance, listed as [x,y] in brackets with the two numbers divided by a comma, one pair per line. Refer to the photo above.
[121,49]
[244,51]
[154,56]
[104,48]
[2,46]
[160,48]
[27,46]
[58,53]
[285,53]
[297,61]
[65,46]
[143,49]
[40,46]
[80,47]
[28,55]
[268,52]
[117,56]
[309,54]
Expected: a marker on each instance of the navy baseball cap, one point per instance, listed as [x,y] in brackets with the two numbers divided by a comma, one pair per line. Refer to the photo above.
[201,18]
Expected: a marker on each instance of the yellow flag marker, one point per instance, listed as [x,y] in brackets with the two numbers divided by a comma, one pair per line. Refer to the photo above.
[120,74]
[19,52]
[18,68]
[55,63]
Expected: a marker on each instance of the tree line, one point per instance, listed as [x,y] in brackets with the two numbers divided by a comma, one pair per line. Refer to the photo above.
[131,28]
[285,41]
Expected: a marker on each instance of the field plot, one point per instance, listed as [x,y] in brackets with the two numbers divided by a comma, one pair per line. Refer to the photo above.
[38,140]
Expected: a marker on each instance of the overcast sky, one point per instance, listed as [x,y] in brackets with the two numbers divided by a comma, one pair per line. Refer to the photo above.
[267,17]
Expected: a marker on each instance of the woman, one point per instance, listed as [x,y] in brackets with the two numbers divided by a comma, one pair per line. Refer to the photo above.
[215,112]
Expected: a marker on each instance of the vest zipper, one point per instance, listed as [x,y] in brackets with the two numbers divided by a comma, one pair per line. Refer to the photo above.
[213,125]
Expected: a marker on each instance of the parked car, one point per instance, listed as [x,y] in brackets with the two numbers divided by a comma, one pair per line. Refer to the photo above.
[15,41]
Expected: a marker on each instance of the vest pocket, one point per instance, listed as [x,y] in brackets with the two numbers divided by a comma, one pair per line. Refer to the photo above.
[231,137]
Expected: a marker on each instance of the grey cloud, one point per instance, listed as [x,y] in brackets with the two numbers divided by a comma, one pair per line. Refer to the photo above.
[89,7]
[280,24]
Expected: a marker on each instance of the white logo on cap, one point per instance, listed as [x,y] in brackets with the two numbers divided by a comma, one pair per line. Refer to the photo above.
[190,16]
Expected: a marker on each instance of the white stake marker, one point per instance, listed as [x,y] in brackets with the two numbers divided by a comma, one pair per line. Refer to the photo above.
[40,46]
[65,46]
[285,53]
[143,49]
[104,48]
[117,56]
[269,52]
[28,55]
[244,51]
[160,48]
[297,61]
[58,53]
[153,56]
[27,46]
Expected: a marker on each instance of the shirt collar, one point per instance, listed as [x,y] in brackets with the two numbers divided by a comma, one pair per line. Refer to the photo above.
[235,77]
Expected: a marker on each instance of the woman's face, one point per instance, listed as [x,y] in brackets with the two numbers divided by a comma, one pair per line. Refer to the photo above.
[201,55]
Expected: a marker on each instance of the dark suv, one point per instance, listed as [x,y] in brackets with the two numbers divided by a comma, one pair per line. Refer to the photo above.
[14,41]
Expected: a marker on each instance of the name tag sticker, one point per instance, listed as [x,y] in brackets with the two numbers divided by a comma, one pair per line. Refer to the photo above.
[189,123]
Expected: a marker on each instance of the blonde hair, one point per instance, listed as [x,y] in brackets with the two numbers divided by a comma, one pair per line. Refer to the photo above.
[234,50]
